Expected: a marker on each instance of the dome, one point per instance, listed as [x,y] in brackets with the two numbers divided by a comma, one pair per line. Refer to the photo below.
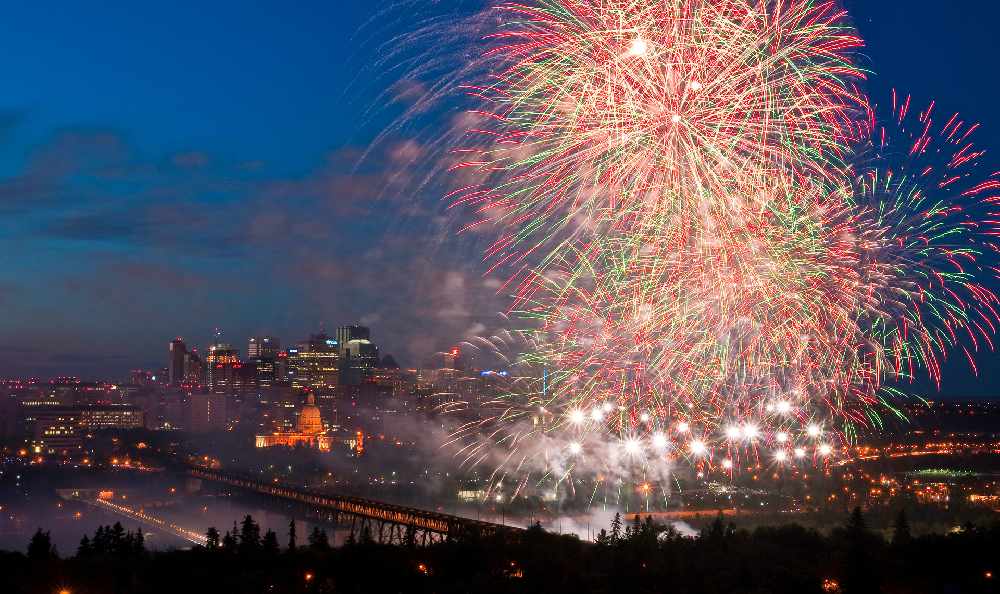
[310,419]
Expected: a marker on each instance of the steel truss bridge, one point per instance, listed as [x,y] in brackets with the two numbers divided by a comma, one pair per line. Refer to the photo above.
[384,522]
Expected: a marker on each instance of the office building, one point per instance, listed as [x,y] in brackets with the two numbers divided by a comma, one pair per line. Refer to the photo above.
[315,364]
[177,356]
[263,347]
[223,369]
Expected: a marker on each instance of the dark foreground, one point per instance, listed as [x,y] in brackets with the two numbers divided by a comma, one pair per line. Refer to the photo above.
[630,558]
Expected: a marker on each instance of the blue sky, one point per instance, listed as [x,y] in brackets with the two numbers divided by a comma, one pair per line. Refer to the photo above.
[166,168]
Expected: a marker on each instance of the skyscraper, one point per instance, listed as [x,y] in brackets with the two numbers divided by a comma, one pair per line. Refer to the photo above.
[222,368]
[262,353]
[358,354]
[315,363]
[346,334]
[175,367]
[263,347]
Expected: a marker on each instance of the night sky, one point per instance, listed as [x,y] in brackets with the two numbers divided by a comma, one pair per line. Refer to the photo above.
[165,170]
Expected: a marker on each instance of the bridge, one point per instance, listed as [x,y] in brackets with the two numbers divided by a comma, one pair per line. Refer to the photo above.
[383,522]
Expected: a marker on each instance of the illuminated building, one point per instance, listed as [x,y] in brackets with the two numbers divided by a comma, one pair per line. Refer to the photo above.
[263,347]
[111,417]
[315,364]
[264,371]
[222,364]
[194,368]
[359,358]
[309,431]
[62,429]
[346,334]
[178,354]
[57,431]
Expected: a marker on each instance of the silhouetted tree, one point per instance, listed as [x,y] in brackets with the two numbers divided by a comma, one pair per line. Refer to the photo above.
[40,547]
[229,542]
[139,542]
[318,540]
[212,538]
[100,542]
[616,529]
[860,575]
[85,550]
[117,539]
[291,536]
[249,536]
[856,526]
[269,544]
[602,539]
[716,531]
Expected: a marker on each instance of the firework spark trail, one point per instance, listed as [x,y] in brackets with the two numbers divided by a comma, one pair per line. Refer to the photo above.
[716,251]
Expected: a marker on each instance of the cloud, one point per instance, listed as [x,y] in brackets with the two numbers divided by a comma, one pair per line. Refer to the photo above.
[158,236]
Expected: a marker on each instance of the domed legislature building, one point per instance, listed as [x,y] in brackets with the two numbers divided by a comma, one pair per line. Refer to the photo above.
[308,431]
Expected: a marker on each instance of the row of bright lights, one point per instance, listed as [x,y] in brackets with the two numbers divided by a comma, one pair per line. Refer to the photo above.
[746,431]
[700,448]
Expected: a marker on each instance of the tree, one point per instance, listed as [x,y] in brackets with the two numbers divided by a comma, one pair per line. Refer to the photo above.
[85,550]
[40,548]
[139,542]
[291,536]
[100,542]
[249,535]
[901,529]
[860,575]
[212,538]
[856,526]
[229,542]
[716,532]
[269,544]
[318,540]
[616,529]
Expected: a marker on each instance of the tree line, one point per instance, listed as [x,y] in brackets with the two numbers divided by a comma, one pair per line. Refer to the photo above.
[633,554]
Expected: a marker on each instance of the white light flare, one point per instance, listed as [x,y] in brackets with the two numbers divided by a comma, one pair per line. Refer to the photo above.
[639,47]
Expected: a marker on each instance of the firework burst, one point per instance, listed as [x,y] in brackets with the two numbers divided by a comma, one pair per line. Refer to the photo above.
[716,252]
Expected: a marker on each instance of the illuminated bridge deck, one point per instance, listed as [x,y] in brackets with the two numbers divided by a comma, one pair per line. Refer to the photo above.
[385,522]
